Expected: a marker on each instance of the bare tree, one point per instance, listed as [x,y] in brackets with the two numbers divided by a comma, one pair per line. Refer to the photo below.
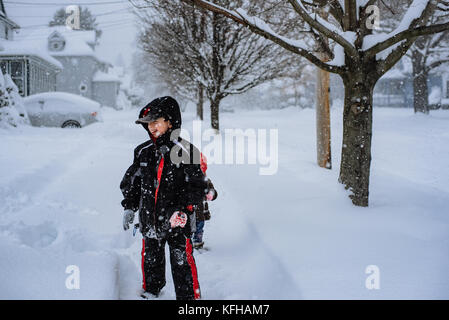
[197,50]
[427,52]
[359,57]
[87,20]
[145,76]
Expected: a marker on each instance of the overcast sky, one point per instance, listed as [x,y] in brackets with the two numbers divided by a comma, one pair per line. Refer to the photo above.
[114,17]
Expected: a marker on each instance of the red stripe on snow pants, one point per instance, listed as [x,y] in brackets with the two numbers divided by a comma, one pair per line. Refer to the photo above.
[191,261]
[144,284]
[182,262]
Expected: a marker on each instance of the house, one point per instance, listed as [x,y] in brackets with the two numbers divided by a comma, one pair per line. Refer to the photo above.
[7,26]
[395,88]
[32,70]
[84,72]
[105,87]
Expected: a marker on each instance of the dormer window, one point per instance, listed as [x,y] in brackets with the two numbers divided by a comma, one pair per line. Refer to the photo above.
[56,45]
[56,42]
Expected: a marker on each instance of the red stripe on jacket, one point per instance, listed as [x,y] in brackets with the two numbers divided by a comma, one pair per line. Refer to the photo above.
[159,175]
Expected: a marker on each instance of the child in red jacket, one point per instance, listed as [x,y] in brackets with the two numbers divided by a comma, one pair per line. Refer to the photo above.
[202,212]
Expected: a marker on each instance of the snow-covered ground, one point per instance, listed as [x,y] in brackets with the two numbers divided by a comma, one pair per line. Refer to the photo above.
[292,235]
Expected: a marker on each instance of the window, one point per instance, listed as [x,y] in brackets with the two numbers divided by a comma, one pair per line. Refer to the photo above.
[83,87]
[4,66]
[19,84]
[16,69]
[447,89]
[56,44]
[33,79]
[17,75]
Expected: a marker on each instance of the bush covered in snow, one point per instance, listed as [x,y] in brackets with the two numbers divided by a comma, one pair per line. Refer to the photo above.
[123,102]
[135,96]
[12,109]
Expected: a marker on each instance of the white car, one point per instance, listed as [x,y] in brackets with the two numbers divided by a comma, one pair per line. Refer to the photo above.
[61,109]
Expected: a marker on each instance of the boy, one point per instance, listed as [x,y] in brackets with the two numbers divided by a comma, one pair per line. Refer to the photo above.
[202,212]
[161,186]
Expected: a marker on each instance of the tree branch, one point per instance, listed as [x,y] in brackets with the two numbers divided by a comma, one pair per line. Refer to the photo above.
[407,34]
[299,8]
[385,65]
[267,34]
[437,64]
[412,31]
[335,9]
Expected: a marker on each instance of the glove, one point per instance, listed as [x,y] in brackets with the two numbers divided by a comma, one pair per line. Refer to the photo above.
[128,218]
[210,195]
[178,219]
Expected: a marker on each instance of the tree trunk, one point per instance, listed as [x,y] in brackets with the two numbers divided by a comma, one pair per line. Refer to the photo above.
[350,16]
[217,70]
[214,113]
[200,102]
[357,132]
[357,119]
[420,90]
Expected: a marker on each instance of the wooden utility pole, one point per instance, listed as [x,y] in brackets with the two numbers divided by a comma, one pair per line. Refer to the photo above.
[323,123]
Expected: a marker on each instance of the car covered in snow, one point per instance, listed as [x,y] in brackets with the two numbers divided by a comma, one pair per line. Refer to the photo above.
[61,109]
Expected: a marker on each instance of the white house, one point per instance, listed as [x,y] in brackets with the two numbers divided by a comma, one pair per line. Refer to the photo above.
[31,69]
[84,72]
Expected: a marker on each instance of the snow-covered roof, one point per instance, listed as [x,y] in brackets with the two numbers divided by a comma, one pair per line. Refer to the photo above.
[5,18]
[105,61]
[100,76]
[77,42]
[24,48]
[87,36]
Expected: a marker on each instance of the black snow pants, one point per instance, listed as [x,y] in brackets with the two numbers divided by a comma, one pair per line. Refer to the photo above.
[183,265]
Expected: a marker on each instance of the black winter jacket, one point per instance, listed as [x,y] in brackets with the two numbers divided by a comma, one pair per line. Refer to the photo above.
[181,184]
[202,212]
